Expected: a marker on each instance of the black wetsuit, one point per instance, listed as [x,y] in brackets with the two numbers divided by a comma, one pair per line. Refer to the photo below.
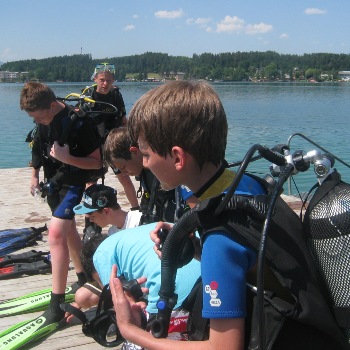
[64,179]
[110,120]
[156,203]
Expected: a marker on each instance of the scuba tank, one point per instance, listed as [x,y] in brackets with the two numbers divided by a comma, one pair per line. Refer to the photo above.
[327,233]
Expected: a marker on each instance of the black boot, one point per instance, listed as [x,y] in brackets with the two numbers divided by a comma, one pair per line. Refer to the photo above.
[54,313]
[81,281]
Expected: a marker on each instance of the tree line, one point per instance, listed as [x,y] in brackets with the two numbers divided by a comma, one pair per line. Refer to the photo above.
[229,66]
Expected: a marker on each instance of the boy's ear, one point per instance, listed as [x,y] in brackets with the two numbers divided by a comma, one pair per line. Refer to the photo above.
[134,149]
[180,157]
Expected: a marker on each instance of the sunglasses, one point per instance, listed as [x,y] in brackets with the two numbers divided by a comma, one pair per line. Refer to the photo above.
[103,67]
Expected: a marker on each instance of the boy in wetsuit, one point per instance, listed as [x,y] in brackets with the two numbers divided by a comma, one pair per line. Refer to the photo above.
[66,170]
[181,131]
[114,117]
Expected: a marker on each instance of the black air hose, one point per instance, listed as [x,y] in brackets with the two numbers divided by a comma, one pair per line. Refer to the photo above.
[171,252]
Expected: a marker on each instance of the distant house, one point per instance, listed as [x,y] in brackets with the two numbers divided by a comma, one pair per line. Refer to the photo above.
[174,75]
[344,75]
[10,77]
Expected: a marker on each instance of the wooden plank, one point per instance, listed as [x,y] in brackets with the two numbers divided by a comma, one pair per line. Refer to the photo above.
[19,210]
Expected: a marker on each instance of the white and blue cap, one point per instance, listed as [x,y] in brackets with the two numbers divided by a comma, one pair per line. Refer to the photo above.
[185,192]
[96,197]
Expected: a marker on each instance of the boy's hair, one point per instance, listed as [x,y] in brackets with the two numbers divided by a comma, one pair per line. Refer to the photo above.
[117,145]
[185,114]
[36,96]
[87,252]
[96,74]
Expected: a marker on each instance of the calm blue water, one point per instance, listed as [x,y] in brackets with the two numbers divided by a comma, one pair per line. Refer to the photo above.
[264,113]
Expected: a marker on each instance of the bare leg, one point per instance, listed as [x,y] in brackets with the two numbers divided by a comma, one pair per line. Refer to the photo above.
[58,232]
[74,246]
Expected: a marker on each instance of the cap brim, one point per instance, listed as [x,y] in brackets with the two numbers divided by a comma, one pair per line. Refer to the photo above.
[81,209]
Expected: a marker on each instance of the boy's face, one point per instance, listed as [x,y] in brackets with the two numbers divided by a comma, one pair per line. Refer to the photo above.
[99,217]
[131,167]
[104,82]
[162,168]
[42,116]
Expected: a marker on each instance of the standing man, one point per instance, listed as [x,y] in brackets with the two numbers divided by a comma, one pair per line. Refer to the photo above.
[114,116]
[67,149]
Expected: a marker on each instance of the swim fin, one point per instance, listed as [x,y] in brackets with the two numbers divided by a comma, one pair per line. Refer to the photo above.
[26,257]
[31,302]
[25,269]
[19,242]
[27,332]
[17,232]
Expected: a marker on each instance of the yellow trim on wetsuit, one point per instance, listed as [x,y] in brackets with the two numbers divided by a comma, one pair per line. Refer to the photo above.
[220,185]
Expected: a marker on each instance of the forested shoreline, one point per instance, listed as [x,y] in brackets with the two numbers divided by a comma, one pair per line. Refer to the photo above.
[229,66]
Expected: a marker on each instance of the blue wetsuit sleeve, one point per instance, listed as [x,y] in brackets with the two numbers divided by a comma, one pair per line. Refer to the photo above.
[224,267]
[249,186]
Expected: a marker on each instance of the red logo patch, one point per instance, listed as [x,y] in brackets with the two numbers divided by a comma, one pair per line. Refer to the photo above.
[214,285]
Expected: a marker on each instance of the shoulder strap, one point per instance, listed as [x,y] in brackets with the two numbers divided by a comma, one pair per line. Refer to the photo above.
[73,114]
[119,101]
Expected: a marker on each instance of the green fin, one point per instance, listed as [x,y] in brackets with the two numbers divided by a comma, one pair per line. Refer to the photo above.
[32,302]
[26,332]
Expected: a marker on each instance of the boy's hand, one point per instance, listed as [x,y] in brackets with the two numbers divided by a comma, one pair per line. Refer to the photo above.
[127,310]
[60,153]
[154,234]
[34,187]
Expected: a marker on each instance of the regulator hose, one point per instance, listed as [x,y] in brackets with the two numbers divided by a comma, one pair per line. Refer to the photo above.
[171,252]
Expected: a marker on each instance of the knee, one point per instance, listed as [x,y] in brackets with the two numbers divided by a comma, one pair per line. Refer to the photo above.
[85,298]
[56,237]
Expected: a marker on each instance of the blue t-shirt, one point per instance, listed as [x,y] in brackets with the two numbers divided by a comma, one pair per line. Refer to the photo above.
[132,251]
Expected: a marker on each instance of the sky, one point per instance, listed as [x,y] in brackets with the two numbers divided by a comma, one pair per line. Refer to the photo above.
[35,29]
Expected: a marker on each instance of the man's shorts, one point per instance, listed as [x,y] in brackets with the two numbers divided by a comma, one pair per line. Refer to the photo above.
[63,201]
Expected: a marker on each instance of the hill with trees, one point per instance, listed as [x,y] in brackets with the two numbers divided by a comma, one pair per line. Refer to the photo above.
[229,66]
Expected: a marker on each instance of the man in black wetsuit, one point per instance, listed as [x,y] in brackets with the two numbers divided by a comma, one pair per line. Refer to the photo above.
[67,149]
[110,101]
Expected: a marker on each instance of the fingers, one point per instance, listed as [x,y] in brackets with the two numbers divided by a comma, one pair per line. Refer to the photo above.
[117,290]
[115,286]
[154,233]
[59,152]
[157,251]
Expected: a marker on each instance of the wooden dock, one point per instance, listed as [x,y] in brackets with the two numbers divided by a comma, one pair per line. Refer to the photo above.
[19,209]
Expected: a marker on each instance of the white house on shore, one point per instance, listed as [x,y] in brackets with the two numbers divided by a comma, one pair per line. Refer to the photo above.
[344,75]
[10,77]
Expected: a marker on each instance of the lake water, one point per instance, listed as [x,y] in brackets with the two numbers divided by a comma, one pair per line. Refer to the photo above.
[261,113]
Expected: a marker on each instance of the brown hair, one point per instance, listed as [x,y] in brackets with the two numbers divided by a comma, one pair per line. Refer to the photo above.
[96,75]
[36,96]
[185,114]
[117,145]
